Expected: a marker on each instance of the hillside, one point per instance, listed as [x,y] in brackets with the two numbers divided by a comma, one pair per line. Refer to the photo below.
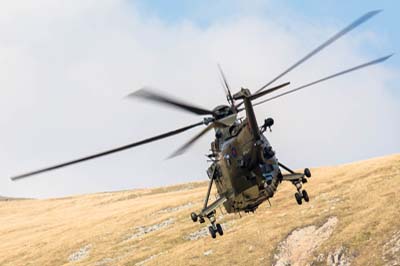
[351,219]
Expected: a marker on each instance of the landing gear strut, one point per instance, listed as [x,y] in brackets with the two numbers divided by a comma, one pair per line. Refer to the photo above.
[301,194]
[209,212]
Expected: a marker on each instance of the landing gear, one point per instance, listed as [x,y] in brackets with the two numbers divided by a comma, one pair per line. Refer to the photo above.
[298,198]
[298,180]
[219,230]
[305,195]
[301,193]
[214,229]
[209,212]
[213,232]
[307,172]
[194,217]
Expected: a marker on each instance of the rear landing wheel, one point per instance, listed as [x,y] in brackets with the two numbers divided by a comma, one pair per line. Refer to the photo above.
[307,172]
[298,198]
[212,232]
[305,196]
[219,230]
[194,217]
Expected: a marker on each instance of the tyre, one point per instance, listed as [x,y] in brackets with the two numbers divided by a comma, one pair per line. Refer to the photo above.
[212,232]
[219,230]
[194,217]
[298,198]
[305,196]
[307,172]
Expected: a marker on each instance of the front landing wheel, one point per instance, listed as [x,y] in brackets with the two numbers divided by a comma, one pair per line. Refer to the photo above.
[307,172]
[194,217]
[219,230]
[212,232]
[305,195]
[298,198]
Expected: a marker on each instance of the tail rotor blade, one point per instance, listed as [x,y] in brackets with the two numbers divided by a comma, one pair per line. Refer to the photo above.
[335,37]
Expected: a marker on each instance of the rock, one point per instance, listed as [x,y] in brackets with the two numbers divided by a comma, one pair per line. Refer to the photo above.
[104,262]
[203,232]
[391,250]
[301,243]
[146,260]
[321,258]
[173,209]
[142,230]
[80,254]
[339,258]
[208,252]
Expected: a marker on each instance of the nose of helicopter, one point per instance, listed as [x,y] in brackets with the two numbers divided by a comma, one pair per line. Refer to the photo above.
[222,111]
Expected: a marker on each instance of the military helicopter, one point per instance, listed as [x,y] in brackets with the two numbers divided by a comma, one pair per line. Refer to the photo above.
[243,166]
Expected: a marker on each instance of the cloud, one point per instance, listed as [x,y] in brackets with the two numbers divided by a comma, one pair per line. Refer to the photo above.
[66,67]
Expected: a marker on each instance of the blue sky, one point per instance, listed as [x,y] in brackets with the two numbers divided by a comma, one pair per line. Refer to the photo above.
[205,13]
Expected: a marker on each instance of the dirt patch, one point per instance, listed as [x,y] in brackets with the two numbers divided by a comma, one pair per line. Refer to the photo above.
[301,243]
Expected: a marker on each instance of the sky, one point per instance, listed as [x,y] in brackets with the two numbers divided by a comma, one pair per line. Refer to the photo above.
[66,66]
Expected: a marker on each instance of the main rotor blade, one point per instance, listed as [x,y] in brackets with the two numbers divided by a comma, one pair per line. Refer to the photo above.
[260,94]
[147,94]
[227,87]
[186,146]
[223,122]
[129,146]
[335,37]
[376,61]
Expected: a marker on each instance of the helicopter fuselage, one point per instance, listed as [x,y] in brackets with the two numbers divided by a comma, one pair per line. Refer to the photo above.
[243,163]
[240,168]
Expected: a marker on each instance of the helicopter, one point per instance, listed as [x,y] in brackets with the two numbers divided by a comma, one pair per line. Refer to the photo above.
[243,165]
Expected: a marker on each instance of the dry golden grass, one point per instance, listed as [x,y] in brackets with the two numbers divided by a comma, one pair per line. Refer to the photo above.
[364,196]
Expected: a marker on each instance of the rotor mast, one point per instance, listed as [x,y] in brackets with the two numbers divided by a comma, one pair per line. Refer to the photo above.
[245,94]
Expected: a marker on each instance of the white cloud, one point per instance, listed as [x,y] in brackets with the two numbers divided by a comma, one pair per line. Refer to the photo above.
[66,66]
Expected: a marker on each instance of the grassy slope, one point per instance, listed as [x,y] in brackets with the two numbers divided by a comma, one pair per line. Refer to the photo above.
[363,195]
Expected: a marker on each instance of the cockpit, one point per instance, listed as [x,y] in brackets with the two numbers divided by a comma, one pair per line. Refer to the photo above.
[222,111]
